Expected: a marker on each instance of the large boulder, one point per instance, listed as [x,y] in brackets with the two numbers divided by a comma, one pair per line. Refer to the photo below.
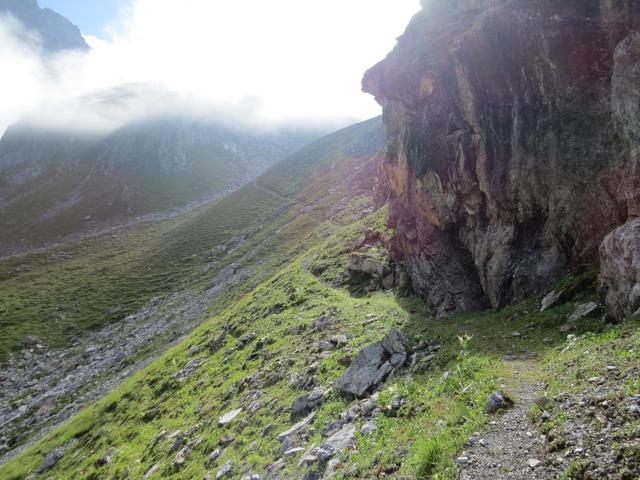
[364,264]
[620,270]
[374,364]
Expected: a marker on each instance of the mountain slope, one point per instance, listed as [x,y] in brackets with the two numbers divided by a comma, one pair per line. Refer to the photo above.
[223,402]
[279,341]
[133,292]
[56,184]
[55,32]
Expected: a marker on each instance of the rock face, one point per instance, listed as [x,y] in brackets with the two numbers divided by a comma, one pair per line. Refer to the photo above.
[620,270]
[374,364]
[512,142]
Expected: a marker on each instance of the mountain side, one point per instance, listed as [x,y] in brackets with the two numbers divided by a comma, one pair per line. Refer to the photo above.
[258,390]
[81,317]
[57,184]
[54,31]
[512,131]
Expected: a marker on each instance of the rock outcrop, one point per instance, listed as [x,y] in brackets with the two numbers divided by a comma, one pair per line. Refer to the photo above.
[373,365]
[620,270]
[512,142]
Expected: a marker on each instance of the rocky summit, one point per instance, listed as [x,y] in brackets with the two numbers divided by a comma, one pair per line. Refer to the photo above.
[449,291]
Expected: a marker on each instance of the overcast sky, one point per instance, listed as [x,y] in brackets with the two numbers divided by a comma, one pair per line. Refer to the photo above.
[286,59]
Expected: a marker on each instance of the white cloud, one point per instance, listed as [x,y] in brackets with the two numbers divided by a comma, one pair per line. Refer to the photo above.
[287,58]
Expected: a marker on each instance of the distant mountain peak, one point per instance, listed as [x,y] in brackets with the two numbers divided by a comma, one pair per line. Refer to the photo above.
[56,32]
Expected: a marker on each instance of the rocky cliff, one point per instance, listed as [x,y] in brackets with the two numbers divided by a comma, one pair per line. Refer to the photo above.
[512,142]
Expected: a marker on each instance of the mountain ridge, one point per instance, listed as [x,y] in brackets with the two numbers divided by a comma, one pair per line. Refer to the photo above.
[56,32]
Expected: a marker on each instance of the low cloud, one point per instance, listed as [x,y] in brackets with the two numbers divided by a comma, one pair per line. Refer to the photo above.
[276,61]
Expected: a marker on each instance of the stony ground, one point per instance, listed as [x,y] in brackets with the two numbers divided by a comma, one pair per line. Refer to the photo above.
[512,446]
[41,387]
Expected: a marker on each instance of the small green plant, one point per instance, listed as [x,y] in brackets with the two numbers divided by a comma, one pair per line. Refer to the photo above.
[464,341]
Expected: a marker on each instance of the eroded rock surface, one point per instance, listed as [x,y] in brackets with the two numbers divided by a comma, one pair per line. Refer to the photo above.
[374,364]
[620,270]
[512,142]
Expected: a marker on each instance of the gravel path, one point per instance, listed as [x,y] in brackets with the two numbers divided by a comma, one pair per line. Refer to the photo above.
[511,447]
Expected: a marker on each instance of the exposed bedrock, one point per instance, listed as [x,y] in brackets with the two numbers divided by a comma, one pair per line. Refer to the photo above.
[620,273]
[512,133]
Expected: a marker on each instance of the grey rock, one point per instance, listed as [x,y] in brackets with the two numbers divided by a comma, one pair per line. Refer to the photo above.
[188,370]
[308,402]
[368,428]
[339,340]
[246,338]
[181,456]
[213,456]
[217,342]
[30,341]
[620,269]
[552,299]
[293,451]
[288,443]
[365,264]
[497,401]
[397,402]
[50,460]
[152,470]
[229,416]
[582,311]
[320,323]
[225,470]
[373,364]
[298,427]
[341,440]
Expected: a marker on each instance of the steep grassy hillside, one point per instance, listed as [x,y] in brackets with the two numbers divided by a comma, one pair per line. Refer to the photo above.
[255,355]
[59,293]
[292,326]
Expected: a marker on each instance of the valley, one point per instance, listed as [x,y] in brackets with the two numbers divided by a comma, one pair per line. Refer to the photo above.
[448,291]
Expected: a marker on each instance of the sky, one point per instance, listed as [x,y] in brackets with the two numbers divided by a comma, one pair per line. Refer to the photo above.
[276,60]
[92,16]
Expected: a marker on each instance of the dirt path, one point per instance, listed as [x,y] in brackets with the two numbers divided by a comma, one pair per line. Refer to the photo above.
[511,447]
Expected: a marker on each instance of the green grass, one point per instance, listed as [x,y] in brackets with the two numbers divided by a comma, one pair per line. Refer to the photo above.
[444,405]
[62,292]
[298,281]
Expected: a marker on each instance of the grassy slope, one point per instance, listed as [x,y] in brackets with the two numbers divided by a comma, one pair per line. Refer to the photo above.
[60,200]
[441,412]
[64,291]
[444,404]
[61,292]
